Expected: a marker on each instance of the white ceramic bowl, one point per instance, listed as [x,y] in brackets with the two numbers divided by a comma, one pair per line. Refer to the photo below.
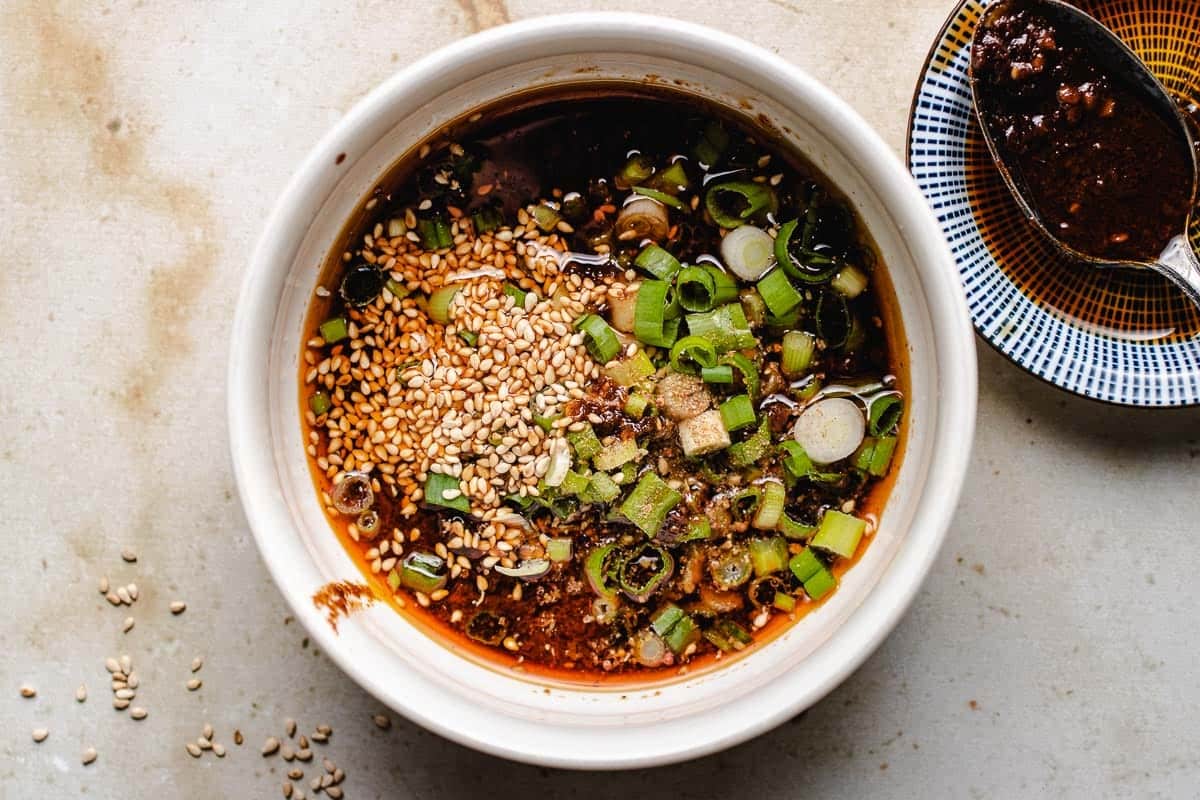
[502,712]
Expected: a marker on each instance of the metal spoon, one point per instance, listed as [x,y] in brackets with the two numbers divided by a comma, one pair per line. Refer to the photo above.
[1178,261]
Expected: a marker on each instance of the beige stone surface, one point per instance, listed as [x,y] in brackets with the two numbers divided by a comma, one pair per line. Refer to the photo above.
[1052,652]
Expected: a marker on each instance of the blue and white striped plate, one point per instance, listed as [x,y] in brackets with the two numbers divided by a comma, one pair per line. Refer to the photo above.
[1118,336]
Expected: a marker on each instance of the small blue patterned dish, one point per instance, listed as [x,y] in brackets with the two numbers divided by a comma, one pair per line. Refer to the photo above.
[1118,336]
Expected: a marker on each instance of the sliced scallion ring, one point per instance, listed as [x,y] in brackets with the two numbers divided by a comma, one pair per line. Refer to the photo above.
[691,354]
[804,265]
[749,252]
[734,203]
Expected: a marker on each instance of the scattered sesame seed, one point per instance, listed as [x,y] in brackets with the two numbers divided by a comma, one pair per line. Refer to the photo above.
[382,721]
[104,587]
[126,664]
[193,749]
[129,555]
[290,726]
[197,663]
[81,693]
[28,691]
[111,665]
[207,731]
[194,684]
[127,625]
[137,712]
[238,738]
[218,749]
[89,755]
[270,746]
[40,734]
[178,606]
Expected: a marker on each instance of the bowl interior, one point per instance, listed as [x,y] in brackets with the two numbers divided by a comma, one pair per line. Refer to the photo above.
[506,712]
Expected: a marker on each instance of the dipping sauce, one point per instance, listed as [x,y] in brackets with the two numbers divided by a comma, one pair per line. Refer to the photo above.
[596,394]
[1106,173]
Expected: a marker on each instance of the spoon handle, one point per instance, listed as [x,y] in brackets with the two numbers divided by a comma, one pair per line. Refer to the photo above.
[1179,263]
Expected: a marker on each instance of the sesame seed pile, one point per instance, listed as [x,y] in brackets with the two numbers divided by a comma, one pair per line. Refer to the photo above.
[410,396]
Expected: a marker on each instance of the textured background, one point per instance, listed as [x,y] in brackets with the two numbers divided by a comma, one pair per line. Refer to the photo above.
[1052,651]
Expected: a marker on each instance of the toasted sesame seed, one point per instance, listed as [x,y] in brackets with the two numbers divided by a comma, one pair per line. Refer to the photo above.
[238,738]
[137,712]
[126,664]
[104,587]
[111,665]
[304,755]
[127,625]
[382,721]
[120,703]
[197,663]
[207,731]
[89,755]
[290,726]
[218,749]
[193,750]
[288,789]
[334,792]
[81,693]
[203,742]
[270,746]
[124,596]
[129,555]
[28,691]
[124,694]
[194,684]
[178,606]
[40,734]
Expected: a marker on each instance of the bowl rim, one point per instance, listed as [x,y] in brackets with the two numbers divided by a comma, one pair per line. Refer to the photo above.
[882,606]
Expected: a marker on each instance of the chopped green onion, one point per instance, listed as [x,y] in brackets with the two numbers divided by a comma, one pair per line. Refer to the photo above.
[731,568]
[725,288]
[748,251]
[768,555]
[602,341]
[770,508]
[516,293]
[487,628]
[699,529]
[696,289]
[573,483]
[805,564]
[470,337]
[600,567]
[397,289]
[738,412]
[545,217]
[530,569]
[600,490]
[711,146]
[850,282]
[733,203]
[616,454]
[722,373]
[748,371]
[638,168]
[884,412]
[559,550]
[792,529]
[691,354]
[839,533]
[673,179]
[784,602]
[486,219]
[796,463]
[785,321]
[662,622]
[728,635]
[798,350]
[393,580]
[820,584]
[636,405]
[439,303]
[874,455]
[630,371]
[434,233]
[319,403]
[544,422]
[644,571]
[743,454]
[436,487]
[833,319]
[658,262]
[778,293]
[744,504]
[650,323]
[423,572]
[662,197]
[803,265]
[334,329]
[725,327]
[625,475]
[585,443]
[649,503]
[681,632]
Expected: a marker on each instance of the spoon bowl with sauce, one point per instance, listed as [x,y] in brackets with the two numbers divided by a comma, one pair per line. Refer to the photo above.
[1091,145]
